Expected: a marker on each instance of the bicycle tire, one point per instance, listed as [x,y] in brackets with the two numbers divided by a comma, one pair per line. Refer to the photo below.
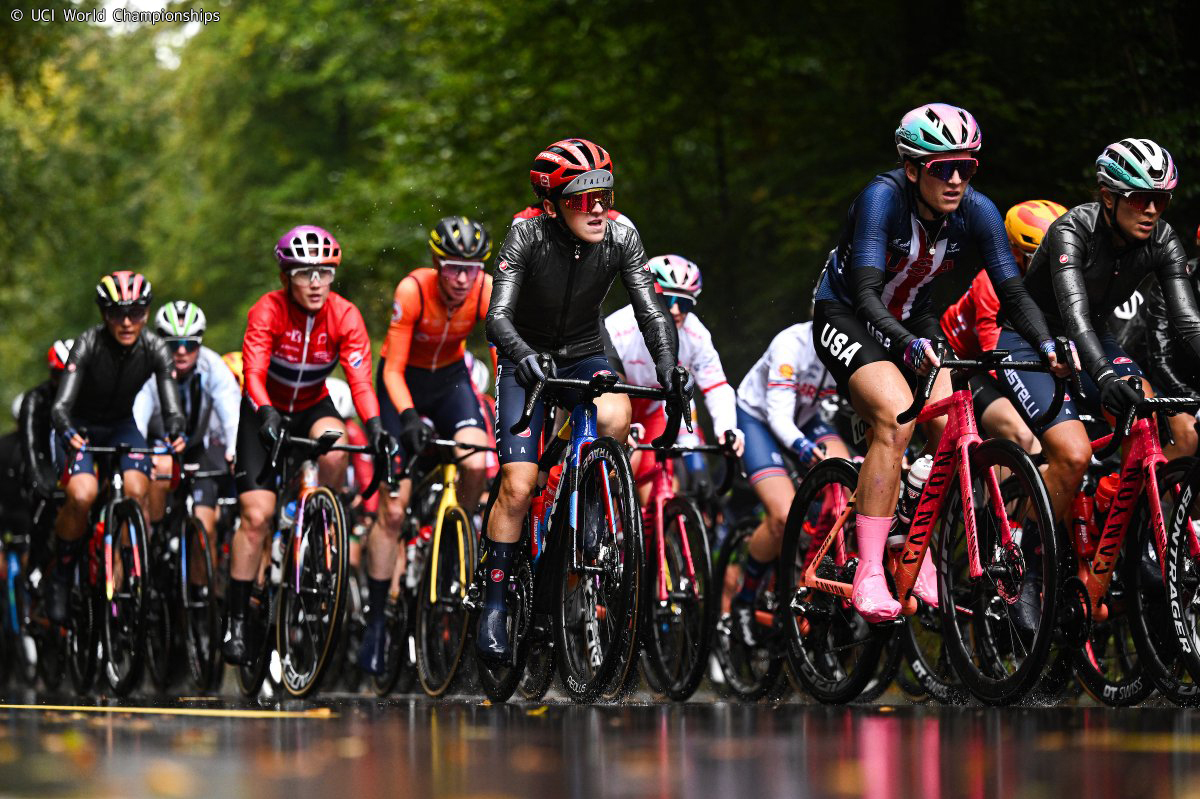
[305,650]
[928,662]
[124,614]
[596,638]
[200,625]
[442,631]
[499,681]
[840,653]
[261,614]
[749,678]
[678,666]
[400,667]
[1152,620]
[980,647]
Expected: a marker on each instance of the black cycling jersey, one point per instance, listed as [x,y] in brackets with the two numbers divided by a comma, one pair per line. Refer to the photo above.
[549,285]
[1173,369]
[102,378]
[1079,274]
[33,423]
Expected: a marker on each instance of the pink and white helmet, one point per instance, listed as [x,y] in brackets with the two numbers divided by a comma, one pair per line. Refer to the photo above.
[937,128]
[676,275]
[307,245]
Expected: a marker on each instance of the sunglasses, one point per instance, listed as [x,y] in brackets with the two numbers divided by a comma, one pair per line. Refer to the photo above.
[944,168]
[188,344]
[313,275]
[134,313]
[684,304]
[450,268]
[585,201]
[1141,200]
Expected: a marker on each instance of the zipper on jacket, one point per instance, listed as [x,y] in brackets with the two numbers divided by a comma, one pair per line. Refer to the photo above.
[562,316]
[438,351]
[308,325]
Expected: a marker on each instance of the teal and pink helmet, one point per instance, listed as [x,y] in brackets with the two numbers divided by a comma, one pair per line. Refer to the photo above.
[307,245]
[676,275]
[937,128]
[1136,165]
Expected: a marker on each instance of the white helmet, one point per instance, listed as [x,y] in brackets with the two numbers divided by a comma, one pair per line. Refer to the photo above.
[481,375]
[180,319]
[16,406]
[343,398]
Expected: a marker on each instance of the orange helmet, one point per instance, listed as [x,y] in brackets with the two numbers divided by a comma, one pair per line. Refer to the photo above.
[234,361]
[1027,222]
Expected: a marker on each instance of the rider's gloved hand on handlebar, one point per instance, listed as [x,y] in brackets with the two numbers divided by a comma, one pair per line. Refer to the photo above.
[1059,367]
[414,433]
[920,356]
[270,425]
[381,441]
[1118,395]
[530,371]
[809,451]
[73,439]
[679,384]
[735,439]
[176,440]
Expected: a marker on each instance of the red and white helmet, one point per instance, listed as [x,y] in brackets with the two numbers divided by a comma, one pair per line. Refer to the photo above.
[676,275]
[570,166]
[58,354]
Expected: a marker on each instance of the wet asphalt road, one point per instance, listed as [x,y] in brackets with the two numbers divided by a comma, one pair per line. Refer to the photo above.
[354,746]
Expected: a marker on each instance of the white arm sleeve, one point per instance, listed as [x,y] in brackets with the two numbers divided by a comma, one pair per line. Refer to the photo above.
[783,382]
[145,406]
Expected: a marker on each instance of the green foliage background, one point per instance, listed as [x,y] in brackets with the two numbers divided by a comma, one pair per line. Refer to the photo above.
[741,131]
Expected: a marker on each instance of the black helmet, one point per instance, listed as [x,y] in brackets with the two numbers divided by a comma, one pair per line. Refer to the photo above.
[459,237]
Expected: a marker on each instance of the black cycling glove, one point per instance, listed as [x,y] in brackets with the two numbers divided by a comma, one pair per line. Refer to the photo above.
[530,372]
[270,425]
[414,433]
[1118,396]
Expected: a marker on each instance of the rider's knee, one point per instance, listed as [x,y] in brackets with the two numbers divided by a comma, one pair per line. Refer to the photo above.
[776,525]
[1073,457]
[336,461]
[891,434]
[256,519]
[516,490]
[81,493]
[614,419]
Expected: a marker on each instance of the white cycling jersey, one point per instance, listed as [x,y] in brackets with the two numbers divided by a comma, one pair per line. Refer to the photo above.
[696,353]
[785,387]
[217,397]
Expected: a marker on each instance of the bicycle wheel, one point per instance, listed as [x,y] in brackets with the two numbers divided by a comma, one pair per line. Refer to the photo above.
[312,597]
[159,612]
[996,662]
[19,645]
[832,650]
[679,629]
[539,671]
[597,614]
[1164,616]
[82,642]
[749,674]
[200,625]
[125,597]
[889,670]
[443,621]
[928,663]
[400,667]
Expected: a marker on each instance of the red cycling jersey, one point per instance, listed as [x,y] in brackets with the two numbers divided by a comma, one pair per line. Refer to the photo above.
[287,353]
[970,324]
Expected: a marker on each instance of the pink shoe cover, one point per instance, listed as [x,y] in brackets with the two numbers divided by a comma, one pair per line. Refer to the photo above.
[925,586]
[871,596]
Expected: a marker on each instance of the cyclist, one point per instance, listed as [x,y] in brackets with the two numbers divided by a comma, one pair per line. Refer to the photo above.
[553,273]
[681,283]
[234,361]
[778,404]
[1091,260]
[295,337]
[106,368]
[206,387]
[972,328]
[423,369]
[874,322]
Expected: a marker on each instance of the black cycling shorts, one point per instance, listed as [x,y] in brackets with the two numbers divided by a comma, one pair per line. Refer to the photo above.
[252,454]
[1032,392]
[985,390]
[210,459]
[445,396]
[124,431]
[510,403]
[845,345]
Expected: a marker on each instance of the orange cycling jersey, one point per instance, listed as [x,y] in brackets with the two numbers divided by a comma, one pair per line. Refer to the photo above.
[425,333]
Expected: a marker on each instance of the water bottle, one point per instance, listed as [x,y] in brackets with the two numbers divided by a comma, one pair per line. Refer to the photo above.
[412,574]
[277,558]
[910,492]
[1083,524]
[288,517]
[308,474]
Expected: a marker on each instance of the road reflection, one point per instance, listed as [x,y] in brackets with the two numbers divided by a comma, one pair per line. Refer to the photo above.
[362,748]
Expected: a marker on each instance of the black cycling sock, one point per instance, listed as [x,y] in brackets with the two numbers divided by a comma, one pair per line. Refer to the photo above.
[377,594]
[497,565]
[237,597]
[66,553]
[753,572]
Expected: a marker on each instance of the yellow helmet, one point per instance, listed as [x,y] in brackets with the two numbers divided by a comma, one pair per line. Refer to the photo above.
[234,361]
[1027,222]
